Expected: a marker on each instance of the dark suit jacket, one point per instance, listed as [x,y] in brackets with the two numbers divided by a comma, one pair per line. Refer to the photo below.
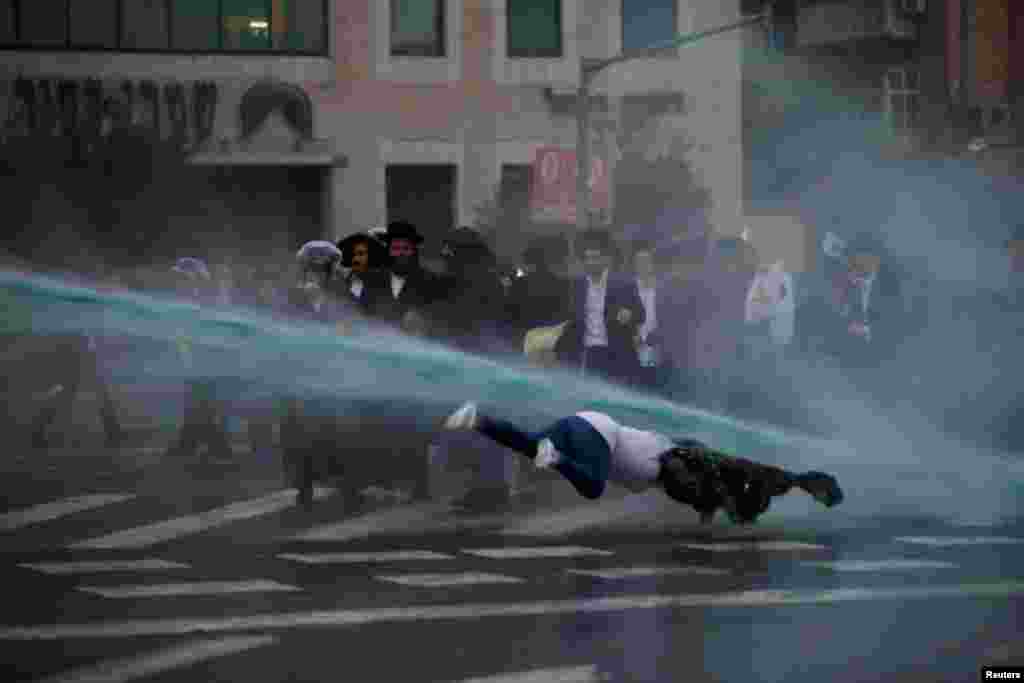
[621,293]
[823,329]
[371,281]
[422,288]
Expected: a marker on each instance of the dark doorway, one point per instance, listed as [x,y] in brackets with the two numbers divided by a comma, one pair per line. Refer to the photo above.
[424,195]
[257,210]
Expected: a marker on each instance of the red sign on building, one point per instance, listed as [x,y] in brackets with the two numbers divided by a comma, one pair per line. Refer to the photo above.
[553,194]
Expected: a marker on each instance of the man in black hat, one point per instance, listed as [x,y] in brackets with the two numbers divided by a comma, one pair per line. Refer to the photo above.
[403,296]
[607,312]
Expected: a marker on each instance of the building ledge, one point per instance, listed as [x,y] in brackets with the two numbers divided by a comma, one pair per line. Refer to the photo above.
[268,158]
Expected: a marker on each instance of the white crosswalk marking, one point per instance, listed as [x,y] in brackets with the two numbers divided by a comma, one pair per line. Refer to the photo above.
[950,541]
[442,580]
[358,558]
[197,588]
[537,552]
[134,668]
[756,546]
[324,618]
[97,566]
[880,565]
[576,674]
[433,517]
[46,512]
[637,572]
[151,534]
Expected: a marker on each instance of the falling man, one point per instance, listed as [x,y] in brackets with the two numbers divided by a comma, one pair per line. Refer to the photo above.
[590,449]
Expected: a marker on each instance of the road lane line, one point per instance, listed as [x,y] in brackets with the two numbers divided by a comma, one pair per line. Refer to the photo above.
[577,674]
[952,541]
[46,512]
[342,618]
[756,546]
[143,666]
[880,565]
[151,534]
[639,572]
[158,590]
[359,558]
[407,519]
[445,580]
[95,567]
[536,552]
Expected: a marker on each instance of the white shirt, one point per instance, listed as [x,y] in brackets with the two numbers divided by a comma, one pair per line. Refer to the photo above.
[595,333]
[356,287]
[634,462]
[397,283]
[771,297]
[648,295]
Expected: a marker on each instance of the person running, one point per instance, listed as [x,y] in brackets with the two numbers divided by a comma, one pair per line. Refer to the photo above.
[590,449]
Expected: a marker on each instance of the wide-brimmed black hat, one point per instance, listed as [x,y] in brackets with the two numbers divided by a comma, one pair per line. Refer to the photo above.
[404,231]
[378,251]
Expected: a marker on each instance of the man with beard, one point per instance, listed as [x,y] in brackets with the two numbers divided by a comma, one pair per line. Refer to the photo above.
[403,296]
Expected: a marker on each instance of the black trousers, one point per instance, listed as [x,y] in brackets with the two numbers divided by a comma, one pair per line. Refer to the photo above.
[204,420]
[77,364]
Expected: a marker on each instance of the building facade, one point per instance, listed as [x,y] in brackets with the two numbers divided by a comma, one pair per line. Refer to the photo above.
[424,109]
[886,80]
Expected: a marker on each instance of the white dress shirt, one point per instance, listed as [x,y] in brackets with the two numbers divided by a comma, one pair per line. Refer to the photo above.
[397,284]
[648,295]
[356,286]
[595,332]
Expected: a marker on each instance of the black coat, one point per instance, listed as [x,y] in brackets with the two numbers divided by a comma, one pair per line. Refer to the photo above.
[422,288]
[621,293]
[537,300]
[468,310]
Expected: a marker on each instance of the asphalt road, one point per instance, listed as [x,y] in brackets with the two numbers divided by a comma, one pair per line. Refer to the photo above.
[209,574]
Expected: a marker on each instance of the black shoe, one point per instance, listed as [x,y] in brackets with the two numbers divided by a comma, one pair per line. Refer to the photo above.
[823,487]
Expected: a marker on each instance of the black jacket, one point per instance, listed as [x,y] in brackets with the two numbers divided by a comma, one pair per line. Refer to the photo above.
[422,288]
[621,293]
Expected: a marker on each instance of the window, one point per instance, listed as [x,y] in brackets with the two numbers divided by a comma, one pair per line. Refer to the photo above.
[298,26]
[246,24]
[43,22]
[8,29]
[417,28]
[534,28]
[646,23]
[902,99]
[93,23]
[145,25]
[195,25]
[424,195]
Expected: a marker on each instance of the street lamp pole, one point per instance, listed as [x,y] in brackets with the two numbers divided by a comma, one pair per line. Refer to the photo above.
[589,69]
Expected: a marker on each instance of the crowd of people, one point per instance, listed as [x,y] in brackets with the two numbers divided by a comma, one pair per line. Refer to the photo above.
[712,326]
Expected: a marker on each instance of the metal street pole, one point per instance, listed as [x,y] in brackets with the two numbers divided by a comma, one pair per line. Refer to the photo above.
[589,69]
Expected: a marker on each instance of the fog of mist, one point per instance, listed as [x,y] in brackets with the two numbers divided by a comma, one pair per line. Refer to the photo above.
[421,381]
